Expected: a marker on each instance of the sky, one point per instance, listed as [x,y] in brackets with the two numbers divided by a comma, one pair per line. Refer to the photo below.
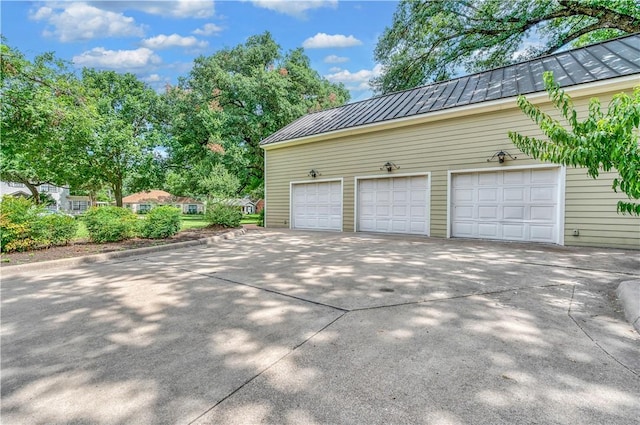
[158,40]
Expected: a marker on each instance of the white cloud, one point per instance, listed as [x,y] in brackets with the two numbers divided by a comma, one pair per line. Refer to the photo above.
[335,59]
[99,57]
[199,9]
[174,40]
[208,29]
[296,8]
[153,78]
[355,81]
[80,21]
[335,69]
[323,41]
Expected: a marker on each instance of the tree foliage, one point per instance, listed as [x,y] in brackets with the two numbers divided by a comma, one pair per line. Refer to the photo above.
[236,97]
[44,115]
[125,134]
[430,40]
[603,141]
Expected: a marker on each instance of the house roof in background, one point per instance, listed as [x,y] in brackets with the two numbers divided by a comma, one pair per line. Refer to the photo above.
[610,59]
[158,197]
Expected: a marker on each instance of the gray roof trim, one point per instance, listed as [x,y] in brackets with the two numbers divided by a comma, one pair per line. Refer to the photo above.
[610,59]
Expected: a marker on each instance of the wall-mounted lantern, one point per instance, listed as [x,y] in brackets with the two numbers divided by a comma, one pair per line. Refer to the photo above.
[389,166]
[501,155]
[313,173]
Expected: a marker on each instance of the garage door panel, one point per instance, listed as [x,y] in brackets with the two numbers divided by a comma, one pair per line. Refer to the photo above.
[541,233]
[463,195]
[400,196]
[513,231]
[513,213]
[462,229]
[399,226]
[514,194]
[487,194]
[317,206]
[466,179]
[418,197]
[400,211]
[544,176]
[461,213]
[487,179]
[487,212]
[515,177]
[543,213]
[418,211]
[488,230]
[399,205]
[513,205]
[543,194]
[383,196]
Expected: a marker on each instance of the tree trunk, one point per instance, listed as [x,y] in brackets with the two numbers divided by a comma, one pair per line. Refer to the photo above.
[117,192]
[34,192]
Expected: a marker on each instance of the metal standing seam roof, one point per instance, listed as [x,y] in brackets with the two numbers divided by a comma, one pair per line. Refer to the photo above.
[609,59]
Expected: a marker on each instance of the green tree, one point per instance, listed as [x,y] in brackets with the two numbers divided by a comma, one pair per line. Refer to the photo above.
[430,40]
[127,133]
[236,97]
[603,141]
[45,117]
[205,180]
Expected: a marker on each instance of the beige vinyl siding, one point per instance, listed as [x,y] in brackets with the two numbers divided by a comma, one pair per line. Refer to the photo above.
[590,207]
[461,143]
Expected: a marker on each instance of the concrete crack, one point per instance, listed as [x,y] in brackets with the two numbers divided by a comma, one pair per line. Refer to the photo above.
[455,297]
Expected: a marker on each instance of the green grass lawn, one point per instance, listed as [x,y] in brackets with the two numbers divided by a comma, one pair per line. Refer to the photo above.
[193,221]
[250,219]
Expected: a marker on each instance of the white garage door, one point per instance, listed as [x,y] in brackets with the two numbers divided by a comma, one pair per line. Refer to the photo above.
[519,205]
[394,205]
[317,206]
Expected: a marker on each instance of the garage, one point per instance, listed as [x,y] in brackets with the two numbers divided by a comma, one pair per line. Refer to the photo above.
[517,205]
[317,205]
[394,205]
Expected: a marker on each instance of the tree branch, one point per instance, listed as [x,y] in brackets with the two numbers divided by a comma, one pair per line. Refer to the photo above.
[607,17]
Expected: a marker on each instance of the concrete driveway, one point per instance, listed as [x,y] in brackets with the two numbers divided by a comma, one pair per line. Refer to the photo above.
[304,328]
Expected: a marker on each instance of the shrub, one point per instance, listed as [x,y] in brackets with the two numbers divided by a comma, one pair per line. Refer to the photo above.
[223,215]
[110,224]
[60,228]
[161,222]
[21,227]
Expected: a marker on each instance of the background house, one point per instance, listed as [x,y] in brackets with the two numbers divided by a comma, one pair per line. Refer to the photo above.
[245,204]
[57,193]
[143,202]
[437,161]
[78,204]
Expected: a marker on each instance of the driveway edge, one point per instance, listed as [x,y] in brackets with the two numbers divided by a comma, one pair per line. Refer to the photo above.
[629,295]
[96,258]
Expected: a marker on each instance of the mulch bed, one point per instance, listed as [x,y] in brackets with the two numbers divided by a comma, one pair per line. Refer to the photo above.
[82,248]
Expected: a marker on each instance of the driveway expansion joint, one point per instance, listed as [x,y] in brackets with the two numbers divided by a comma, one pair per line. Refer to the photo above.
[260,288]
[248,381]
[596,343]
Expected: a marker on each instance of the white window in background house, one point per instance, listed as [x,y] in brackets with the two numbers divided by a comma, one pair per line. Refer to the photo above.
[78,206]
[144,208]
[192,209]
[14,184]
[48,188]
